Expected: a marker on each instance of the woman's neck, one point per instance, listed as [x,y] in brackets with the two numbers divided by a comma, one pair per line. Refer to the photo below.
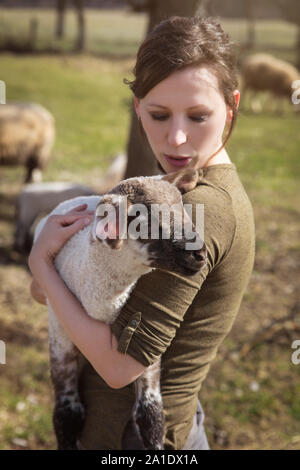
[221,157]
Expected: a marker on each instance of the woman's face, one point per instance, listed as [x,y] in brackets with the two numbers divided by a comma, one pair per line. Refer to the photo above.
[184,117]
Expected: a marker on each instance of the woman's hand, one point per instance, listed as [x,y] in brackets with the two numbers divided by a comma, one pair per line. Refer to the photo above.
[55,233]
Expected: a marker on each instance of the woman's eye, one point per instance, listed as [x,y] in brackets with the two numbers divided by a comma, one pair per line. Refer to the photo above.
[163,117]
[159,117]
[198,118]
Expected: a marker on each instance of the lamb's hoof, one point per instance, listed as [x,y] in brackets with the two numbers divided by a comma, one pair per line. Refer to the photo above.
[68,421]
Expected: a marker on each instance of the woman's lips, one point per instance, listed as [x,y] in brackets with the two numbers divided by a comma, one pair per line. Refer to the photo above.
[178,161]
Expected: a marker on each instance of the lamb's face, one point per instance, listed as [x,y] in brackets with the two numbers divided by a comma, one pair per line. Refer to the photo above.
[148,216]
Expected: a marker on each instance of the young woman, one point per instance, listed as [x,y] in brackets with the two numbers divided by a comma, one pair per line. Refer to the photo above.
[186,99]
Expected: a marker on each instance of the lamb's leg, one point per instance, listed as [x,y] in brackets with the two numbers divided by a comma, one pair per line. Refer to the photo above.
[148,411]
[68,415]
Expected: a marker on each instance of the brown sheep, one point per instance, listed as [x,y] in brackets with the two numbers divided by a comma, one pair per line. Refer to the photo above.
[263,72]
[27,135]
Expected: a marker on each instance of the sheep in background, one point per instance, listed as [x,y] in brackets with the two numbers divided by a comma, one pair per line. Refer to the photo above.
[263,72]
[41,198]
[27,135]
[101,268]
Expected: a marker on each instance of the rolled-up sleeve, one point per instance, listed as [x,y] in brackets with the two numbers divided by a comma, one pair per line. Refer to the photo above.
[148,322]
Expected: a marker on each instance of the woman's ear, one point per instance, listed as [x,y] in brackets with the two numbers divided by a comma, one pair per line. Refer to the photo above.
[137,106]
[236,97]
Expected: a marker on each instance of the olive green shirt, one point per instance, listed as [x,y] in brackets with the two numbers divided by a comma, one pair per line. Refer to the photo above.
[182,319]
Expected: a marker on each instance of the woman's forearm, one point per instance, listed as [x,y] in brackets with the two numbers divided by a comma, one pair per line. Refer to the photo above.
[92,337]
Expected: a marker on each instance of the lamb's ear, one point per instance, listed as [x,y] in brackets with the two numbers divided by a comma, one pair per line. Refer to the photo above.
[110,223]
[184,180]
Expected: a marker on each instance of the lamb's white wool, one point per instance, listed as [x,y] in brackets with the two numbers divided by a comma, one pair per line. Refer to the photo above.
[116,271]
[86,265]
[27,133]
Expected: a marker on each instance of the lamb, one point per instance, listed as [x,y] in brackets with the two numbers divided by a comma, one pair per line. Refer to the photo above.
[41,198]
[101,267]
[27,135]
[263,72]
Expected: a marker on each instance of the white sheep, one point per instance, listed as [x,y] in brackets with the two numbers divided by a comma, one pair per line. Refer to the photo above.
[27,133]
[101,270]
[38,199]
[263,72]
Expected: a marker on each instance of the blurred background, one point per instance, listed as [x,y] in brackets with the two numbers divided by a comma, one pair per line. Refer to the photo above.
[70,58]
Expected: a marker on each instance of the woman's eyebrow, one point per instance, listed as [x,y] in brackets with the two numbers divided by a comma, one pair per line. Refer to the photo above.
[200,107]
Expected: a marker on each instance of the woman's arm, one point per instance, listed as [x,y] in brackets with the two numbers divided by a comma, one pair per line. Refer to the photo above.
[92,337]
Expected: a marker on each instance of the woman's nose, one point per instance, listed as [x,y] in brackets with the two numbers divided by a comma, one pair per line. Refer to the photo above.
[177,135]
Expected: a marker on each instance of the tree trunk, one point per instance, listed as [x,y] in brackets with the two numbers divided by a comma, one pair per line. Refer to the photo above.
[60,9]
[249,15]
[250,33]
[141,161]
[33,32]
[80,43]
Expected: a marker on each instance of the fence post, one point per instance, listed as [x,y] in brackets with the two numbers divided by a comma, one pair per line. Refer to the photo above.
[2,92]
[2,352]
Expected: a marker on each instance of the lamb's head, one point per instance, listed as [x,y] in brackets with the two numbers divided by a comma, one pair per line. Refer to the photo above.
[146,215]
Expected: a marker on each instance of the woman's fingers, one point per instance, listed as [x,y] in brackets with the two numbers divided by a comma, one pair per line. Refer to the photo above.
[73,227]
[78,209]
[68,219]
[81,207]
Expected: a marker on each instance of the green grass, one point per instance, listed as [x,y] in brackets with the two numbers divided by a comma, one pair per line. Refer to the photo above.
[266,150]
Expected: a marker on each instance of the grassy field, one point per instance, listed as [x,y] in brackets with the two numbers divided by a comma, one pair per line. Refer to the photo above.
[251,395]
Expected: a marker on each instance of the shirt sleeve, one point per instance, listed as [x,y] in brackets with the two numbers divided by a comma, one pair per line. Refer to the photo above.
[148,322]
[156,307]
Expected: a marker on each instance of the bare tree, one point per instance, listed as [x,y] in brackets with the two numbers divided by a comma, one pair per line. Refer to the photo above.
[141,161]
[61,9]
[80,43]
[249,13]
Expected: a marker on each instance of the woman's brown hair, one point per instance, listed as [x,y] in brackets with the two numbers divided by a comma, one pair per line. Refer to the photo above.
[179,42]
